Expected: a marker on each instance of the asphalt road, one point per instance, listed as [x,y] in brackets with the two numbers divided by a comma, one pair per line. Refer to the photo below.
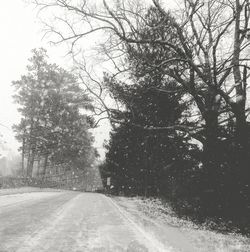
[68,221]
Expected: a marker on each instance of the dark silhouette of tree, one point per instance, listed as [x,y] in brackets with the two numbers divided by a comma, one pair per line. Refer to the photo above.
[202,51]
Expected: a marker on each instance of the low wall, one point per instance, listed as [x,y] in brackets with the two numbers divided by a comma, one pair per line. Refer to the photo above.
[71,180]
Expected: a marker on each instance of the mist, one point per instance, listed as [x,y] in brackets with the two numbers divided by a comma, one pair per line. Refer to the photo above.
[10,161]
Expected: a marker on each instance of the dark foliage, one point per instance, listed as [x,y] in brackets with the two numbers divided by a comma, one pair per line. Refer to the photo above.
[210,183]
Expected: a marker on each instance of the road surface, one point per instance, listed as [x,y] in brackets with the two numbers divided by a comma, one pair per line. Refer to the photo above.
[70,222]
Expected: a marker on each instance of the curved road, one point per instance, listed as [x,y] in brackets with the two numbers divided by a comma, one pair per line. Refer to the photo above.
[68,221]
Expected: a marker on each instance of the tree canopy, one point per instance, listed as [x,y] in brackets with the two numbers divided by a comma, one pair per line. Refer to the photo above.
[53,127]
[178,77]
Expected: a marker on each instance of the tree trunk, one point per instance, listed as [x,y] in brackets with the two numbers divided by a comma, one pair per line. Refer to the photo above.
[23,156]
[30,149]
[242,154]
[28,164]
[45,165]
[211,164]
[38,167]
[240,79]
[241,126]
[211,135]
[31,163]
[146,167]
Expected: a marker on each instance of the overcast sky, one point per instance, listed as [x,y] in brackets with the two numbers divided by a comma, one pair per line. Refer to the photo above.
[19,34]
[21,31]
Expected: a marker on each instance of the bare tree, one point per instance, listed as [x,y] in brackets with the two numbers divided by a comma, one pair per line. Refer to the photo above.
[202,32]
[207,59]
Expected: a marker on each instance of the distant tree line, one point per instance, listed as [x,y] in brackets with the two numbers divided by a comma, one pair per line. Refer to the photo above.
[180,82]
[54,130]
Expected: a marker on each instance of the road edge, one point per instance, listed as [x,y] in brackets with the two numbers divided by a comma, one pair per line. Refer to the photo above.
[151,239]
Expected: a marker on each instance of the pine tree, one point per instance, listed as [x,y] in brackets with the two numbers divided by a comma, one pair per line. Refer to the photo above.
[53,128]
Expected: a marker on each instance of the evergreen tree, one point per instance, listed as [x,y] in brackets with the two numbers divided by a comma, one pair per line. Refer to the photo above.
[53,127]
[144,160]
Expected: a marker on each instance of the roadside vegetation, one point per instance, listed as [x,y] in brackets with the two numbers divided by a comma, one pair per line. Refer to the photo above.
[174,87]
[157,217]
[54,128]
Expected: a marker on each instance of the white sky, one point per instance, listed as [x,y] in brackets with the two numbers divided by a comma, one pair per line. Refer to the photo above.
[18,36]
[21,31]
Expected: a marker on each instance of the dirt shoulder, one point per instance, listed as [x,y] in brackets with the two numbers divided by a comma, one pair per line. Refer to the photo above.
[183,235]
